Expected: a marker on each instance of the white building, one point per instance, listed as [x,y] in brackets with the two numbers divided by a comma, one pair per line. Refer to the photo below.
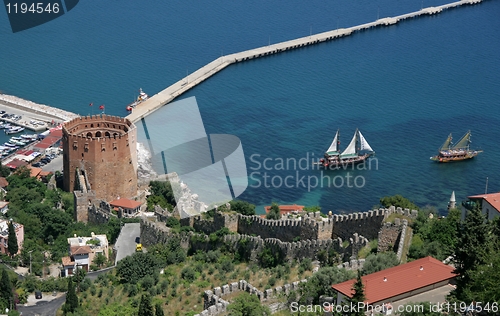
[82,251]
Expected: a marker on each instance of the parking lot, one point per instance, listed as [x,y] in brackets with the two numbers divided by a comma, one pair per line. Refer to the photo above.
[54,165]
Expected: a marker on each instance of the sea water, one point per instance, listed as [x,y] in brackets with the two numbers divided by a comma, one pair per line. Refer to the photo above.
[406,87]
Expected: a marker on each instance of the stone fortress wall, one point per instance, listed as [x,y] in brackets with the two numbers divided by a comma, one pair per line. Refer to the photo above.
[310,226]
[316,234]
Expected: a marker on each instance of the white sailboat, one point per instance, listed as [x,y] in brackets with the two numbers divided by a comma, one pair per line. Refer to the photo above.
[357,151]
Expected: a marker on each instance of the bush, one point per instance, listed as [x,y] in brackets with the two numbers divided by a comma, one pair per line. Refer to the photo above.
[147,282]
[380,261]
[188,274]
[306,264]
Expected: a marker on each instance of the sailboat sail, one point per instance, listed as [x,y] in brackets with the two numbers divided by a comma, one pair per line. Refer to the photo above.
[333,149]
[364,143]
[351,148]
[447,144]
[464,142]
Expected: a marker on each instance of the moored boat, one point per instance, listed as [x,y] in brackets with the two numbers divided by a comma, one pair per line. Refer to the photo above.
[14,130]
[356,152]
[458,152]
[141,98]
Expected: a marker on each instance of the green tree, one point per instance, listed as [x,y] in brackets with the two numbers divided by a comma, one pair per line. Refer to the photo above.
[99,260]
[380,261]
[145,307]
[242,207]
[4,171]
[358,296]
[274,212]
[6,294]
[12,241]
[248,305]
[471,251]
[159,310]
[398,201]
[320,283]
[269,257]
[133,268]
[71,303]
[312,209]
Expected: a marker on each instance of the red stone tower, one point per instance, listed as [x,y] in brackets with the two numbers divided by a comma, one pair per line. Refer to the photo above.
[100,155]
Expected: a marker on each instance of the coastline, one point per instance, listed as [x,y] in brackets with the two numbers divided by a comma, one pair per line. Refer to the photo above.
[39,111]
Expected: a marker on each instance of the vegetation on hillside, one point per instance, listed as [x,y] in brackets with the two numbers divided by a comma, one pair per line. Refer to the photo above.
[398,201]
[433,235]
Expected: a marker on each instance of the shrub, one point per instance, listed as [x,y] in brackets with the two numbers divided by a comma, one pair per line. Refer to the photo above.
[188,274]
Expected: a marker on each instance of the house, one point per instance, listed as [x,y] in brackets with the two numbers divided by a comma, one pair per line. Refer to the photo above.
[82,252]
[51,140]
[397,283]
[489,204]
[129,207]
[285,209]
[4,207]
[16,163]
[4,235]
[3,183]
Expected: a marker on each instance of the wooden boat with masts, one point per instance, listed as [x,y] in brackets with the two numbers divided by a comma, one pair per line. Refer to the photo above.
[356,152]
[458,152]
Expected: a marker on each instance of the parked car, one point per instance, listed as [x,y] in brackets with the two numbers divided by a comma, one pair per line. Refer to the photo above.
[38,294]
[36,164]
[5,115]
[2,112]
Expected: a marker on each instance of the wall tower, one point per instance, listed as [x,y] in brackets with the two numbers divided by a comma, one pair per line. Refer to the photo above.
[103,149]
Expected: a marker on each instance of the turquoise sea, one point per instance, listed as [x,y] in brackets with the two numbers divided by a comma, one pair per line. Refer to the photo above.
[406,87]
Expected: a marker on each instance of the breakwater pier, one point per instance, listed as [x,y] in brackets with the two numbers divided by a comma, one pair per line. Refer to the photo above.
[178,88]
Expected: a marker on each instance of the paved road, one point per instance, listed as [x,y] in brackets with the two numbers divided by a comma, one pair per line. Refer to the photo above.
[43,308]
[125,244]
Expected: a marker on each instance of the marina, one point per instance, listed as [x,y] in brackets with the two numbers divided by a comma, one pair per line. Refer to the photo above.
[170,93]
[30,115]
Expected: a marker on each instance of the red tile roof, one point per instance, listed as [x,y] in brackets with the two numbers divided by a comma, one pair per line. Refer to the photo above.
[50,140]
[3,182]
[285,209]
[16,163]
[80,250]
[34,171]
[42,145]
[56,133]
[125,203]
[67,261]
[401,279]
[492,198]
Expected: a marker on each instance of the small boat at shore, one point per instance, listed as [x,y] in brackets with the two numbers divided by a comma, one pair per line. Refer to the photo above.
[141,98]
[14,130]
[356,152]
[28,137]
[458,152]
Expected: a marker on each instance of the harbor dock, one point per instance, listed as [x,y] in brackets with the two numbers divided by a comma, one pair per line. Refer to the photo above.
[170,93]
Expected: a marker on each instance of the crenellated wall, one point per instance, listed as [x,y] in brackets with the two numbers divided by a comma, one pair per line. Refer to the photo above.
[157,232]
[309,226]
